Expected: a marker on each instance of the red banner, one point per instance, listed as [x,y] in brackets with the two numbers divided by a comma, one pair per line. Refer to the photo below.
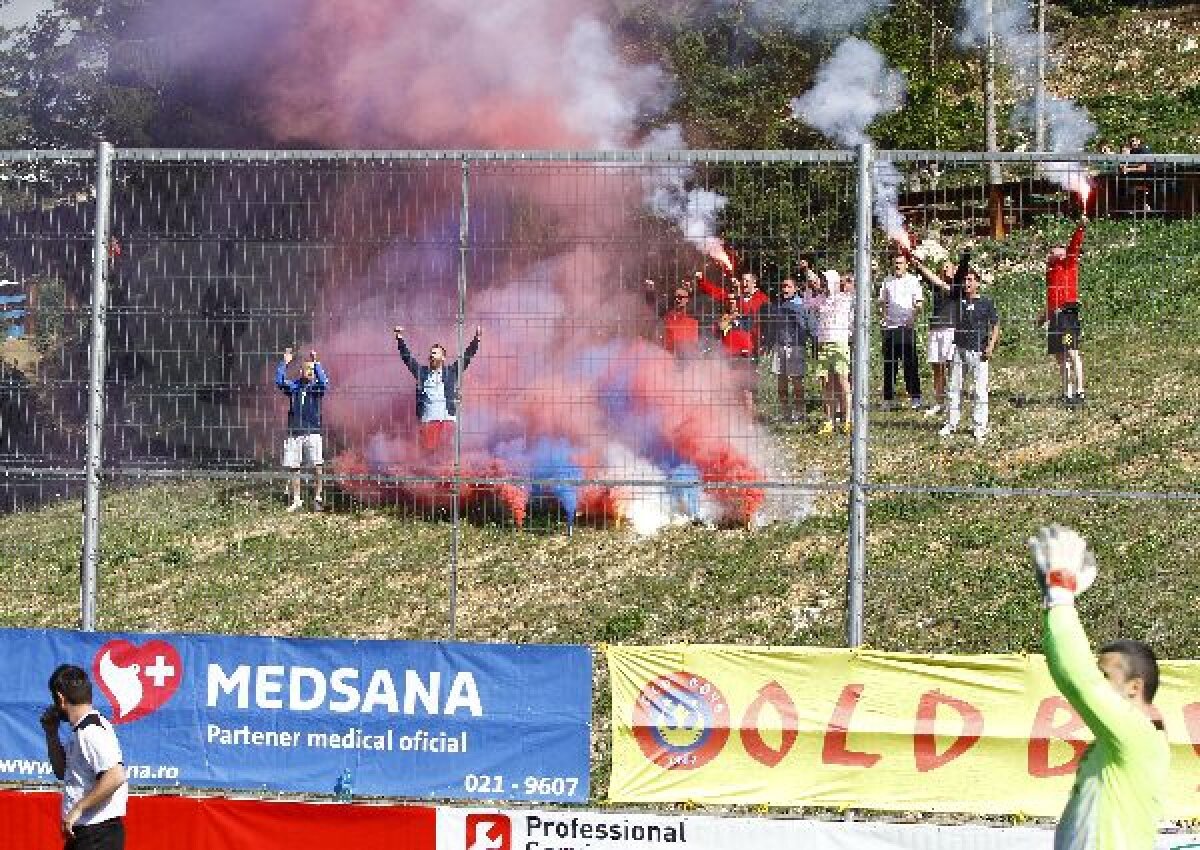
[29,821]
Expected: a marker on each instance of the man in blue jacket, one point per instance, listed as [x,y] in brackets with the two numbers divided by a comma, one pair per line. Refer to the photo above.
[302,446]
[437,390]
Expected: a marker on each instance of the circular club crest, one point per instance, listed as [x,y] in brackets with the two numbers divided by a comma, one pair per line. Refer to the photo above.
[680,721]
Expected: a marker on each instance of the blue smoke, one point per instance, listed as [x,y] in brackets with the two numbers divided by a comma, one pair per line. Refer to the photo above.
[551,458]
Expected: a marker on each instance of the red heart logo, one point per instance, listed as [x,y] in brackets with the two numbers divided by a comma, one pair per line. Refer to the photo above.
[138,680]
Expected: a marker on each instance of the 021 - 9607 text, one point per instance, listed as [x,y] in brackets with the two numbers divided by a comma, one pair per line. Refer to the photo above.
[530,786]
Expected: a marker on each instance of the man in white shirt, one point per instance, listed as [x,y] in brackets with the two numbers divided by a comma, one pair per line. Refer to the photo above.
[90,765]
[900,299]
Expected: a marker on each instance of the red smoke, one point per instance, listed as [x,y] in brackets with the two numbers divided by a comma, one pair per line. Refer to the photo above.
[561,326]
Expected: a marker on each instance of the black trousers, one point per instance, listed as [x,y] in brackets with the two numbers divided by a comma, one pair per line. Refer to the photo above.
[106,835]
[900,346]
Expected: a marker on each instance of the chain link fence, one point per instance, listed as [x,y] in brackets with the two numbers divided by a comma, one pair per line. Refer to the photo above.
[624,461]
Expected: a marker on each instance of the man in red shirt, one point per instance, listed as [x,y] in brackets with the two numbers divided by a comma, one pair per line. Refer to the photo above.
[737,340]
[1062,314]
[680,330]
[750,299]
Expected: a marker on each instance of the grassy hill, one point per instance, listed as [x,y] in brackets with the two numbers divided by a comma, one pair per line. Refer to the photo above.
[1136,72]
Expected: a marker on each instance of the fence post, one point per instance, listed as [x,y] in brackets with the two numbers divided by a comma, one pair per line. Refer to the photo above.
[856,567]
[455,506]
[97,360]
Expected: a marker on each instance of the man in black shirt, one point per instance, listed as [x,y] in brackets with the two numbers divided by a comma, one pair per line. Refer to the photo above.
[976,331]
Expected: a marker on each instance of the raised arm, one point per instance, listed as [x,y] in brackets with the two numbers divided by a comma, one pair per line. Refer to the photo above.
[281,379]
[714,291]
[1076,243]
[472,350]
[320,379]
[960,275]
[1066,568]
[413,366]
[54,748]
[931,277]
[1073,667]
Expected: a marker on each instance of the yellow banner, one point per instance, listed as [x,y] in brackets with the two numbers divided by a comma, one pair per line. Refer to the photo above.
[982,734]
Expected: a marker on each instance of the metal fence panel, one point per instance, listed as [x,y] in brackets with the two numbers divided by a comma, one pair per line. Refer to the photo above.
[596,448]
[46,214]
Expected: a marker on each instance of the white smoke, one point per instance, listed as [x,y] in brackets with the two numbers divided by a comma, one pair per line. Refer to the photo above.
[886,182]
[854,87]
[1067,124]
[605,95]
[1069,129]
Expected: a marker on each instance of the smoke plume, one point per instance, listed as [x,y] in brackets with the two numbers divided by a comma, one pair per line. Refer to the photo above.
[854,87]
[1068,125]
[568,385]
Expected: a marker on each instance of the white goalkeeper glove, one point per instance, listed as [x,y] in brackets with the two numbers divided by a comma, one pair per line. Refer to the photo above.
[1065,565]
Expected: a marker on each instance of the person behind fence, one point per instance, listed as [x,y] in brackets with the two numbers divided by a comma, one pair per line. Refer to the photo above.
[733,331]
[900,300]
[940,344]
[750,299]
[437,390]
[834,321]
[1116,802]
[787,328]
[976,332]
[680,330]
[1062,314]
[303,444]
[90,765]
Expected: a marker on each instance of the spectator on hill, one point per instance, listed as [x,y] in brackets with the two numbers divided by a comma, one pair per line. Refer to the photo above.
[680,331]
[750,299]
[900,300]
[941,325]
[976,331]
[303,444]
[1062,314]
[437,390]
[1137,177]
[787,330]
[834,322]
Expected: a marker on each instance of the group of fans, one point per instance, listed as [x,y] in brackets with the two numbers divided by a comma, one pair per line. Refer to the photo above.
[812,320]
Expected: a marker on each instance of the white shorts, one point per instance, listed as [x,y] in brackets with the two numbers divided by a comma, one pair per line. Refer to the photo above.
[302,447]
[790,361]
[941,345]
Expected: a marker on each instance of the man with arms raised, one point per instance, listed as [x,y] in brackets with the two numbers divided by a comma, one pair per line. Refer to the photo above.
[1116,801]
[437,392]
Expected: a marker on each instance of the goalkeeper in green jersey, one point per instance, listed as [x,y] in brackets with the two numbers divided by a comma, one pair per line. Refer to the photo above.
[1116,801]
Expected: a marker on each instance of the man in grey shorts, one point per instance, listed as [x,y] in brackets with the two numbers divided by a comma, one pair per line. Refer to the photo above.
[303,446]
[788,328]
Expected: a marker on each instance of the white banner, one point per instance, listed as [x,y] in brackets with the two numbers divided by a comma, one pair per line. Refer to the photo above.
[528,829]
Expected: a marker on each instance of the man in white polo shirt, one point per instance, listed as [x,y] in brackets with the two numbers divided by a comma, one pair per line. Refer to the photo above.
[900,298]
[90,765]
